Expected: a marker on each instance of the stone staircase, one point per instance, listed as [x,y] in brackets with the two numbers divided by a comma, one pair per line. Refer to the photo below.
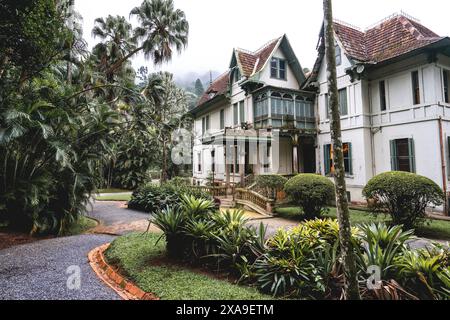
[227,202]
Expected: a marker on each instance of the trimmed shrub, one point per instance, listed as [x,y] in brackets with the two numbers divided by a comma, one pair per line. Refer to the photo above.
[404,196]
[271,183]
[311,192]
[153,198]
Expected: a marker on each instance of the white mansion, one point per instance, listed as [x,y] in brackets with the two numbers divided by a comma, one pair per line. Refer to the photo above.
[393,82]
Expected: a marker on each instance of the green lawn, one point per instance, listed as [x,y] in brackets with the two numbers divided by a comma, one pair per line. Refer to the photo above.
[112,190]
[142,260]
[81,226]
[434,229]
[114,197]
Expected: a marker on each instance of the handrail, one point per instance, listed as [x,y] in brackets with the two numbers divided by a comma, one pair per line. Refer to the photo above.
[255,198]
[214,191]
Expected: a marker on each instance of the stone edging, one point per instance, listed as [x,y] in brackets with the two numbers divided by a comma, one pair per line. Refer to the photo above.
[126,289]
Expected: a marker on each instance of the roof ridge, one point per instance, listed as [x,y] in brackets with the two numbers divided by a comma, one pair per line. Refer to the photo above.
[267,44]
[220,77]
[245,51]
[349,25]
[394,15]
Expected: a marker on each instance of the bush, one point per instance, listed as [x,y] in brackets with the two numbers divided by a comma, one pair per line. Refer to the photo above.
[152,198]
[271,183]
[302,262]
[311,192]
[404,196]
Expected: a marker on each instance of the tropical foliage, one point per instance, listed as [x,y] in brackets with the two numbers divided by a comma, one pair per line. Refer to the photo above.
[67,115]
[306,261]
[153,198]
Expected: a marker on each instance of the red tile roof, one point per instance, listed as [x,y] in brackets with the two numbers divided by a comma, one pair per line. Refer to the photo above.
[218,87]
[253,62]
[391,38]
[250,63]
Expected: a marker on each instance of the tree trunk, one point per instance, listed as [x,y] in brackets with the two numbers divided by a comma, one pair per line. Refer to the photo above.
[351,283]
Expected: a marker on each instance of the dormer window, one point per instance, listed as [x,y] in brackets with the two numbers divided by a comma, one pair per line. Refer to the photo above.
[212,94]
[278,69]
[236,75]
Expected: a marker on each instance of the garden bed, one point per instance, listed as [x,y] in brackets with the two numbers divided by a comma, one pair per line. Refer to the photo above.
[434,229]
[141,259]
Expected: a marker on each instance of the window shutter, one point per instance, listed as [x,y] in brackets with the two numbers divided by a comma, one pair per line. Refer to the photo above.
[412,156]
[394,166]
[350,159]
[326,150]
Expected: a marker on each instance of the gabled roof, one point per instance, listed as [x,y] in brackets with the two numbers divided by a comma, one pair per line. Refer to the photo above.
[217,88]
[251,63]
[396,35]
[391,38]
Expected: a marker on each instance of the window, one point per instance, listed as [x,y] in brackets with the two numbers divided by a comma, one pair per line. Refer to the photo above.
[445,77]
[415,87]
[342,94]
[241,112]
[235,114]
[267,160]
[402,155]
[278,68]
[237,74]
[199,162]
[328,158]
[205,124]
[213,161]
[338,54]
[327,106]
[222,119]
[382,87]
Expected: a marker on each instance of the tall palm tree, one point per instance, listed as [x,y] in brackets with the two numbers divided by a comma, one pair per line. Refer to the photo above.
[162,29]
[117,38]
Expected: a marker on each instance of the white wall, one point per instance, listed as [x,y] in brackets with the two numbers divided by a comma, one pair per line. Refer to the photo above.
[289,83]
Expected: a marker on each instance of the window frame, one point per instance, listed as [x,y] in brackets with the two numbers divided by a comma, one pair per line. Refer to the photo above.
[277,69]
[415,82]
[222,119]
[329,162]
[395,166]
[341,102]
[241,112]
[445,85]
[382,95]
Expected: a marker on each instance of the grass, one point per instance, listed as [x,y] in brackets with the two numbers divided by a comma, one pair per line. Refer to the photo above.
[141,259]
[81,226]
[114,197]
[112,190]
[434,229]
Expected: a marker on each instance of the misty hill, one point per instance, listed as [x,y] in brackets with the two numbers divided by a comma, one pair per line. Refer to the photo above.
[187,80]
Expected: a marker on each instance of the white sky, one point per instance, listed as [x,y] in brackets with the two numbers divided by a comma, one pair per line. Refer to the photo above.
[217,26]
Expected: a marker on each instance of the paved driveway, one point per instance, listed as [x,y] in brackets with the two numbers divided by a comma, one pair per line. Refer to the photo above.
[37,271]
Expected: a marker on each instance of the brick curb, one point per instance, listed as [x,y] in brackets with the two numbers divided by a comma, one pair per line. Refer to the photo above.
[126,289]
